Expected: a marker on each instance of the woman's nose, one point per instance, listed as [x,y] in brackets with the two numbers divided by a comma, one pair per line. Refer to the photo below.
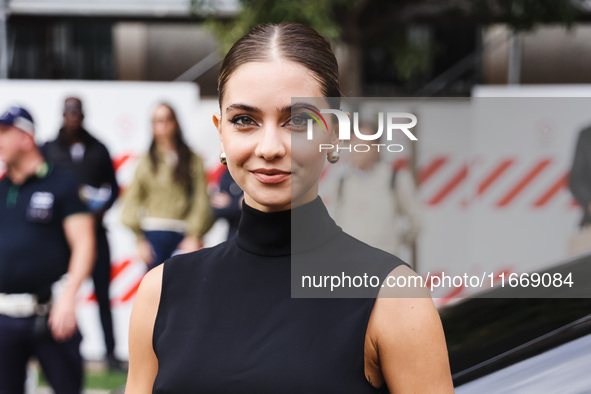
[271,144]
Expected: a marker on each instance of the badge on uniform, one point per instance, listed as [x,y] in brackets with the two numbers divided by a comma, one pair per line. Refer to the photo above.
[40,208]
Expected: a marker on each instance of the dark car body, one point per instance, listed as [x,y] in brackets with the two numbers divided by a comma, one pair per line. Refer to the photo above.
[497,336]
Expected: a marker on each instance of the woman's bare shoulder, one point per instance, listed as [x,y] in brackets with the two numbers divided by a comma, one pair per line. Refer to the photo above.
[143,364]
[152,281]
[403,300]
[407,329]
[148,294]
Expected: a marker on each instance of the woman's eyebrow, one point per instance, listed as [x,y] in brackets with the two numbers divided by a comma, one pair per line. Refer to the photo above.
[286,108]
[298,106]
[244,107]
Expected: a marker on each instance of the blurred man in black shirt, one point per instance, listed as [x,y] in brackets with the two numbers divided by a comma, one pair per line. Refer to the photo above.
[76,150]
[580,175]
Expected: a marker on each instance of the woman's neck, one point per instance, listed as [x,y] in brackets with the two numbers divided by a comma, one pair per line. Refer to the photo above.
[281,206]
[165,145]
[281,233]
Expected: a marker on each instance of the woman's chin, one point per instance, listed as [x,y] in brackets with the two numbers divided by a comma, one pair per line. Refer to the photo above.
[270,202]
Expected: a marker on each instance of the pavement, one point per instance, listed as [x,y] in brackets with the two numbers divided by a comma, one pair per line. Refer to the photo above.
[89,366]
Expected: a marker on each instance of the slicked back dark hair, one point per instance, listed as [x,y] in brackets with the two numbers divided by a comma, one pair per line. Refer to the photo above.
[290,41]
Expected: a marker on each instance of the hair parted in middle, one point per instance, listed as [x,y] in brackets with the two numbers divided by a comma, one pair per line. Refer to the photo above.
[290,41]
[182,170]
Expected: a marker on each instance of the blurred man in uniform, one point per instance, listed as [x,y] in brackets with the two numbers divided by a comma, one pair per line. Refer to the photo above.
[45,232]
[580,175]
[375,203]
[579,182]
[77,151]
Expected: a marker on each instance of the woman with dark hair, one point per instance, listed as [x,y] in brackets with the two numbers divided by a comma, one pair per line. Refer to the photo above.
[167,205]
[223,319]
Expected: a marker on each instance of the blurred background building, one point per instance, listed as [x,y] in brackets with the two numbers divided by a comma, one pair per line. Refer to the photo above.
[398,48]
[133,40]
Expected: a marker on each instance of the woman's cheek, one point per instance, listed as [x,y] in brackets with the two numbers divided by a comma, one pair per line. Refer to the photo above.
[304,150]
[308,166]
[237,149]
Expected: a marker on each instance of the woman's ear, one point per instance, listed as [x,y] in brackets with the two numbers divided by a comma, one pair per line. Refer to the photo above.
[334,140]
[217,121]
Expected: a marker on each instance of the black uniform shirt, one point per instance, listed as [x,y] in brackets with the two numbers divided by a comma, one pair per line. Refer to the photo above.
[94,168]
[34,252]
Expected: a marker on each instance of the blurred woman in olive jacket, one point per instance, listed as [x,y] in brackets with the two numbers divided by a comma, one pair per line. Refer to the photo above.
[167,205]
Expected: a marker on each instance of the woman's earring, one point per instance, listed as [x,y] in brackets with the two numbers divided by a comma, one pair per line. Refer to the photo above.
[223,158]
[333,156]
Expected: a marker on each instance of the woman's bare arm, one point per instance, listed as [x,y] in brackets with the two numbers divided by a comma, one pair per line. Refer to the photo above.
[406,332]
[143,364]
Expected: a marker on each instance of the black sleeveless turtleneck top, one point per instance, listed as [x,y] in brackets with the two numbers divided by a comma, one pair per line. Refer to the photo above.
[227,323]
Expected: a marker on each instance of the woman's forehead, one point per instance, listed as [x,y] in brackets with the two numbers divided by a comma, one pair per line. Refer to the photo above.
[161,110]
[270,85]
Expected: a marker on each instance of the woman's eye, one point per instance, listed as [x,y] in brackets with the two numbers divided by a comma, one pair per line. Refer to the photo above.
[299,120]
[243,120]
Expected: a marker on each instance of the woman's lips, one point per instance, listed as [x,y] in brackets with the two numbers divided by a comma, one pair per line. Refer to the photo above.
[271,176]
